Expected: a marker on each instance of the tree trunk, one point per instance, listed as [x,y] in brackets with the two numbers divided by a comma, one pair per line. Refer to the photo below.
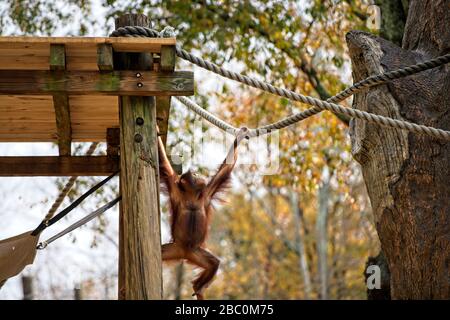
[179,276]
[27,288]
[384,291]
[300,243]
[78,293]
[407,174]
[322,234]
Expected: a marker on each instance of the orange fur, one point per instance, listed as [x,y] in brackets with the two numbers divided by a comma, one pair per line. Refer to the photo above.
[191,205]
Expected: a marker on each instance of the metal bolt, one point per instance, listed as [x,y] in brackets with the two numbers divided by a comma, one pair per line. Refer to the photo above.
[139,121]
[138,138]
[140,85]
[138,75]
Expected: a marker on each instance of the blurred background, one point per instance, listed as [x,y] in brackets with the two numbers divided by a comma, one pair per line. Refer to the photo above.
[304,232]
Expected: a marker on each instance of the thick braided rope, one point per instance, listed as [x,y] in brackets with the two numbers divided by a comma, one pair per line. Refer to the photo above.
[359,86]
[318,104]
[135,31]
[207,115]
[355,113]
[69,184]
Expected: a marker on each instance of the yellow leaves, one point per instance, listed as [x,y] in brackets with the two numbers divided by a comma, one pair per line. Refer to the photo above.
[263,20]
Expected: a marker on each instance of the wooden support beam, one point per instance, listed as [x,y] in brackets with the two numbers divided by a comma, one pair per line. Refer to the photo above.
[112,142]
[140,269]
[61,102]
[62,114]
[125,83]
[162,116]
[105,61]
[120,44]
[57,57]
[57,166]
[167,64]
[168,57]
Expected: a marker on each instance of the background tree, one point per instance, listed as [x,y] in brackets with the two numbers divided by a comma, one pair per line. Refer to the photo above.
[407,174]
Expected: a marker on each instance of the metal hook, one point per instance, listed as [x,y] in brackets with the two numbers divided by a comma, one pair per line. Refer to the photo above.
[42,245]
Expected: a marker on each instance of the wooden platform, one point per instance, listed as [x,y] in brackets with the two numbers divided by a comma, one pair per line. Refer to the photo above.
[33,53]
[26,118]
[32,118]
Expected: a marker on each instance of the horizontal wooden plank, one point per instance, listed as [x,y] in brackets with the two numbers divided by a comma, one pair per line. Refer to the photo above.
[120,44]
[32,53]
[136,83]
[90,122]
[33,137]
[24,63]
[25,118]
[58,166]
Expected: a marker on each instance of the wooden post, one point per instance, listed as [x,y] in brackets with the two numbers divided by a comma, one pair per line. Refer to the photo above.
[140,271]
[78,293]
[112,142]
[167,64]
[27,288]
[61,102]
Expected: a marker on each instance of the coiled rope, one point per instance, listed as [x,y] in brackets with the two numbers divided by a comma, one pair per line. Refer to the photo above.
[318,105]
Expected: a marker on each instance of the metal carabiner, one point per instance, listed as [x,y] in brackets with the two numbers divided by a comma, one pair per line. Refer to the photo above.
[42,245]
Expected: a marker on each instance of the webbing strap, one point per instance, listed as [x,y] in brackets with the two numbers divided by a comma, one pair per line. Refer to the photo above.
[46,223]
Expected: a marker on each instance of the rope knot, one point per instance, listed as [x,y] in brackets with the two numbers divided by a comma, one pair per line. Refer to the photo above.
[242,133]
[167,32]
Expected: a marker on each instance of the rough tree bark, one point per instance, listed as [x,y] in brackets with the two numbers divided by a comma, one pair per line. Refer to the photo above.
[407,174]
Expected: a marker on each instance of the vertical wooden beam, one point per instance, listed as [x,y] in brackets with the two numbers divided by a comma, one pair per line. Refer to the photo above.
[167,64]
[140,270]
[112,142]
[168,56]
[57,57]
[62,115]
[105,61]
[61,102]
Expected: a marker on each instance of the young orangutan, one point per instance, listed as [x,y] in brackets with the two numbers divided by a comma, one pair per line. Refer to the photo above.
[191,200]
